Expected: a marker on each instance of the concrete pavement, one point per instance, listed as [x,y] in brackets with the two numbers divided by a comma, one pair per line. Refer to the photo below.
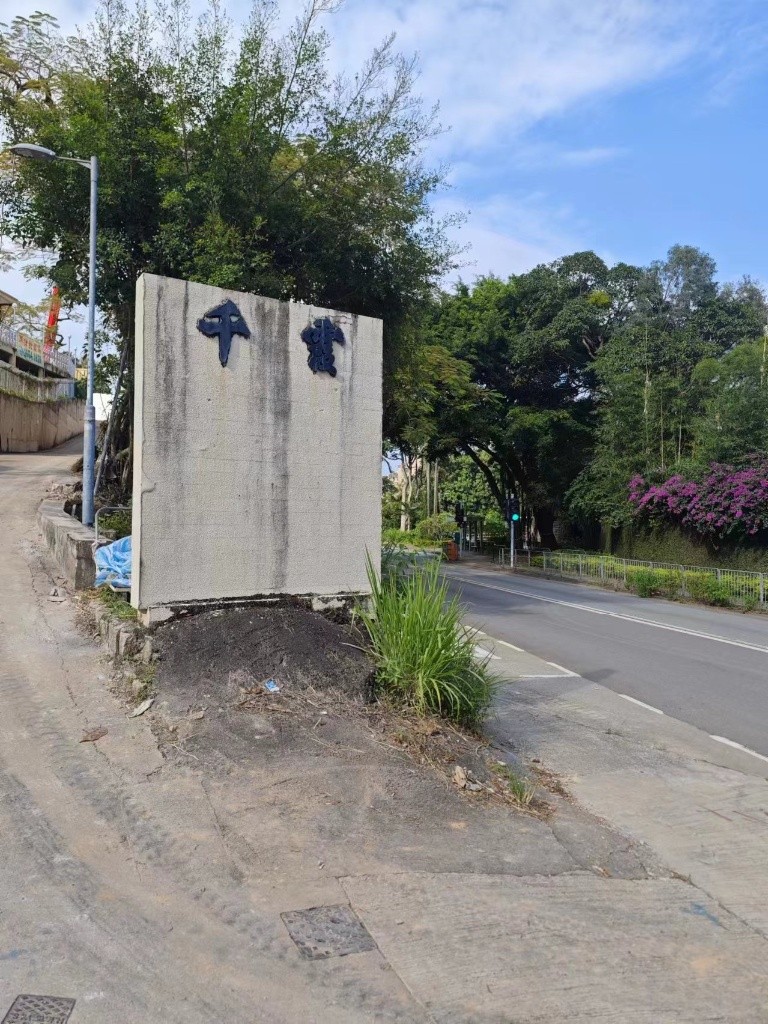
[150,891]
[704,666]
[702,808]
[117,886]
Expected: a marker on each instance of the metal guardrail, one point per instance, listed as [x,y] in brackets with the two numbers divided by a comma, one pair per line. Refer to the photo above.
[666,579]
[36,389]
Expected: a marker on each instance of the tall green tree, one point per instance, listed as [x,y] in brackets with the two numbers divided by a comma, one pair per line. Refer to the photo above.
[684,359]
[248,164]
[733,421]
[525,351]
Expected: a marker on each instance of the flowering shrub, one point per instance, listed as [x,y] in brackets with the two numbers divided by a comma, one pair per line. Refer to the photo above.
[726,501]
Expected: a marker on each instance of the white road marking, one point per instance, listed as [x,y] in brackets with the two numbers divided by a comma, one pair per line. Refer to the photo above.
[640,703]
[738,746]
[545,675]
[560,668]
[506,643]
[486,654]
[614,615]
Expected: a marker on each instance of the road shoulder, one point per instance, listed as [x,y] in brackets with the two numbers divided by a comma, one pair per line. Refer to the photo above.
[699,805]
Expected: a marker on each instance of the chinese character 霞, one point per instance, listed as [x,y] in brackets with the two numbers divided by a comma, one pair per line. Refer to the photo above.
[319,339]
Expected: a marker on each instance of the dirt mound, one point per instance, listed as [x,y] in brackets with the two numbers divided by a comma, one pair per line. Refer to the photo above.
[227,651]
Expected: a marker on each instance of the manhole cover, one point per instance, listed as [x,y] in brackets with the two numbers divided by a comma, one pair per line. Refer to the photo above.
[39,1010]
[328,931]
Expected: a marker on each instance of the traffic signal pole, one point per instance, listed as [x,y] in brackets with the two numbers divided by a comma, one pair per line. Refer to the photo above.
[512,510]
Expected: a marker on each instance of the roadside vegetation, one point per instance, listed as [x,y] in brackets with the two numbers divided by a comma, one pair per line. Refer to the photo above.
[425,656]
[711,586]
[116,603]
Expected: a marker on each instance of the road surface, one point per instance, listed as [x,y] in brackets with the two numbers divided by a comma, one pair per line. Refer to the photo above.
[704,666]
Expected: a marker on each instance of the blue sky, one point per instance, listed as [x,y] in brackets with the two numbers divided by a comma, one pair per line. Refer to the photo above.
[622,126]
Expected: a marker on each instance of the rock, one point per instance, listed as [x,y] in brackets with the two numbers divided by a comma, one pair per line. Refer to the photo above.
[91,735]
[144,706]
[197,715]
[460,777]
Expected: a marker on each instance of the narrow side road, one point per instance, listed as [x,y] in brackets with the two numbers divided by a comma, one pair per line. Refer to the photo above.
[703,666]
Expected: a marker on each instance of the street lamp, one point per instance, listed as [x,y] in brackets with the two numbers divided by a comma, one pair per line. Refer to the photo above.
[32,152]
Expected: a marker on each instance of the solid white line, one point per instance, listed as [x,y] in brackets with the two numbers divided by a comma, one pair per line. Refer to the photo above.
[486,654]
[560,668]
[615,615]
[738,746]
[506,643]
[648,707]
[559,675]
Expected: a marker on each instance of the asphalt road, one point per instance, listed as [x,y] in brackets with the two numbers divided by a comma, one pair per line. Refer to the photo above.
[704,666]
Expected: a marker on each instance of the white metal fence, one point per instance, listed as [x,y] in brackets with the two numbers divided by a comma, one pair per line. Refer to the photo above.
[666,579]
[46,389]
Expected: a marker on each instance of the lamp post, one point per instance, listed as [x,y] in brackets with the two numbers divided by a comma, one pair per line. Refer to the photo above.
[32,152]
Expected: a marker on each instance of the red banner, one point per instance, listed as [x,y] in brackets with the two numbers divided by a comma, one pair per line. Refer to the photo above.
[49,338]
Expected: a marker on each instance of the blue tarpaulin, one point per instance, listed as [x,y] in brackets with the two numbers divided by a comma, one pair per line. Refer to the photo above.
[113,564]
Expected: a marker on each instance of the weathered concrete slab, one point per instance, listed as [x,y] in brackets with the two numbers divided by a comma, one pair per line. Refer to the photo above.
[575,949]
[709,823]
[70,544]
[701,806]
[259,477]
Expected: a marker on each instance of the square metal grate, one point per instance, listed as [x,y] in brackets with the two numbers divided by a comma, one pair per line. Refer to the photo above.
[328,931]
[39,1010]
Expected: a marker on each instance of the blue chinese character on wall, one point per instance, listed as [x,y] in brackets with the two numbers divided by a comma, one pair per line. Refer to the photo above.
[222,322]
[319,339]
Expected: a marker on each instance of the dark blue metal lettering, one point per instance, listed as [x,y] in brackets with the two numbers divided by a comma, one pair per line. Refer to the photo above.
[319,339]
[222,322]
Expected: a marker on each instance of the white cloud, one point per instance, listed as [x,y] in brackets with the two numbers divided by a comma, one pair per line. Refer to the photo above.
[500,67]
[509,235]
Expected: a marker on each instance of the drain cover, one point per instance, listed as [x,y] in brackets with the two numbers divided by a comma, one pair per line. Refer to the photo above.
[39,1010]
[328,931]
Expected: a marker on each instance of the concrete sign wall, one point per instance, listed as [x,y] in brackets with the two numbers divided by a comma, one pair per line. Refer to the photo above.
[259,476]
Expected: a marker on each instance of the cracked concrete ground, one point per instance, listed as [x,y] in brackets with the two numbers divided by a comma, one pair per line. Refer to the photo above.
[150,888]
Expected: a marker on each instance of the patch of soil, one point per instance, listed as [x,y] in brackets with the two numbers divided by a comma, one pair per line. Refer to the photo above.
[211,680]
[240,648]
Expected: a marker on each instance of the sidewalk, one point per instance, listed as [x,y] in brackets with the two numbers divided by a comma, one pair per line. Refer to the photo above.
[624,943]
[701,807]
[146,879]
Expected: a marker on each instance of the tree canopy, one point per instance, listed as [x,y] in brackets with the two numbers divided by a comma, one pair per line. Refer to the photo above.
[245,163]
[564,383]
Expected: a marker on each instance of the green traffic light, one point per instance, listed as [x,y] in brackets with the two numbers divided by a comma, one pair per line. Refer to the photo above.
[515,517]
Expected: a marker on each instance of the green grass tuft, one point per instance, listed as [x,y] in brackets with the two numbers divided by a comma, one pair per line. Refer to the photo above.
[117,604]
[424,655]
[522,790]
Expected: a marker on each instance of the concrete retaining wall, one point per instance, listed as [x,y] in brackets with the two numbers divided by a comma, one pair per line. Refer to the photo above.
[70,543]
[37,426]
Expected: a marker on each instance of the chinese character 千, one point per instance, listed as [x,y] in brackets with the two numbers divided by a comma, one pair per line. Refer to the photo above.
[222,322]
[319,339]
